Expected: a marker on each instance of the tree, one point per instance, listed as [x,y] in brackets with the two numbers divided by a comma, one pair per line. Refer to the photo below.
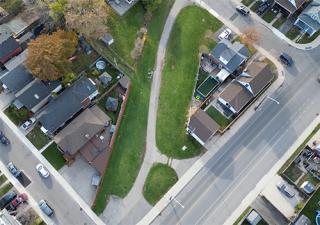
[151,5]
[250,36]
[48,55]
[88,17]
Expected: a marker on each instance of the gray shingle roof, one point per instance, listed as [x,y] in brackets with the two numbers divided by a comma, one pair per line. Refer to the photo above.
[36,93]
[311,15]
[8,46]
[231,56]
[290,5]
[17,78]
[66,105]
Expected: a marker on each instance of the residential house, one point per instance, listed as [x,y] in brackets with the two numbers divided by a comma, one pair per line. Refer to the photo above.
[289,6]
[303,220]
[9,47]
[89,135]
[36,94]
[246,87]
[229,56]
[309,19]
[16,79]
[202,127]
[64,107]
[6,218]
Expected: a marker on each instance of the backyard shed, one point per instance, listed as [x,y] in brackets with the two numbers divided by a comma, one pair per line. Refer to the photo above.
[107,39]
[105,79]
[112,104]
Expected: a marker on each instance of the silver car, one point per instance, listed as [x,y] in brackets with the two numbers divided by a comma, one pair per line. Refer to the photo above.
[43,205]
[285,189]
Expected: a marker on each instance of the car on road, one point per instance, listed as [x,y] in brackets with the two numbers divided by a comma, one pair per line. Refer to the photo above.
[18,200]
[3,139]
[44,206]
[7,198]
[13,169]
[319,79]
[225,34]
[28,123]
[243,10]
[285,189]
[42,171]
[286,59]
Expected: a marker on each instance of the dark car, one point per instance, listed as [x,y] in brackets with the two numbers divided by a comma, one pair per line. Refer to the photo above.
[17,201]
[243,10]
[3,139]
[13,169]
[286,59]
[263,7]
[7,198]
[44,206]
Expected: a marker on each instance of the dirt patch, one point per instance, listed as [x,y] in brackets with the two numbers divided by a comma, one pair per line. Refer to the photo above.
[204,49]
[139,43]
[210,35]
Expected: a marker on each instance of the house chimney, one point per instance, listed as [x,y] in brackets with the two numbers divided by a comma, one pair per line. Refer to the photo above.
[87,136]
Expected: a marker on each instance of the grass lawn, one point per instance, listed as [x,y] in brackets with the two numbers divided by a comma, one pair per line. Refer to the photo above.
[245,212]
[201,77]
[83,61]
[5,188]
[17,116]
[160,179]
[12,6]
[310,178]
[277,24]
[2,179]
[268,16]
[54,156]
[208,86]
[247,2]
[37,137]
[299,149]
[293,33]
[178,80]
[306,39]
[218,117]
[312,206]
[293,172]
[129,147]
[255,6]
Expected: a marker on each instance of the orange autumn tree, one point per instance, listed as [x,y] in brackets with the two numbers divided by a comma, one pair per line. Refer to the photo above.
[48,54]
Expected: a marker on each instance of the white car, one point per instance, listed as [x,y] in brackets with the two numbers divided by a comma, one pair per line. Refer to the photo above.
[225,34]
[42,170]
[130,1]
[27,124]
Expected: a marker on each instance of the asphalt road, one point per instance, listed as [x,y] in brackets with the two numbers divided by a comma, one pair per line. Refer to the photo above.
[218,189]
[67,210]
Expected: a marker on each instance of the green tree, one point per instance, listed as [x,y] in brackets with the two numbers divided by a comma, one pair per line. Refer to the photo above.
[48,55]
[151,5]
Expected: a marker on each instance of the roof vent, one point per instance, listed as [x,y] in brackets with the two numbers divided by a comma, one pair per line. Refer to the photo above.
[87,136]
[36,96]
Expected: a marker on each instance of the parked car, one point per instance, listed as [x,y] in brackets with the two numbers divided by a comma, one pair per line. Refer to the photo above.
[42,171]
[308,187]
[43,205]
[129,1]
[243,10]
[4,140]
[285,189]
[286,59]
[13,169]
[18,200]
[6,199]
[263,7]
[225,34]
[28,123]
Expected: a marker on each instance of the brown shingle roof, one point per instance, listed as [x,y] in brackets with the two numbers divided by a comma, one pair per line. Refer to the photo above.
[289,6]
[260,75]
[202,125]
[81,130]
[236,95]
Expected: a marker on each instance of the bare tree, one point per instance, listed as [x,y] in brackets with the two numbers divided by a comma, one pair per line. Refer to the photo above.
[87,17]
[250,36]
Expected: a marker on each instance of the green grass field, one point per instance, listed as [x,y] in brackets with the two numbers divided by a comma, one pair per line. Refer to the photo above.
[129,148]
[218,117]
[160,179]
[54,156]
[17,116]
[178,80]
[37,137]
